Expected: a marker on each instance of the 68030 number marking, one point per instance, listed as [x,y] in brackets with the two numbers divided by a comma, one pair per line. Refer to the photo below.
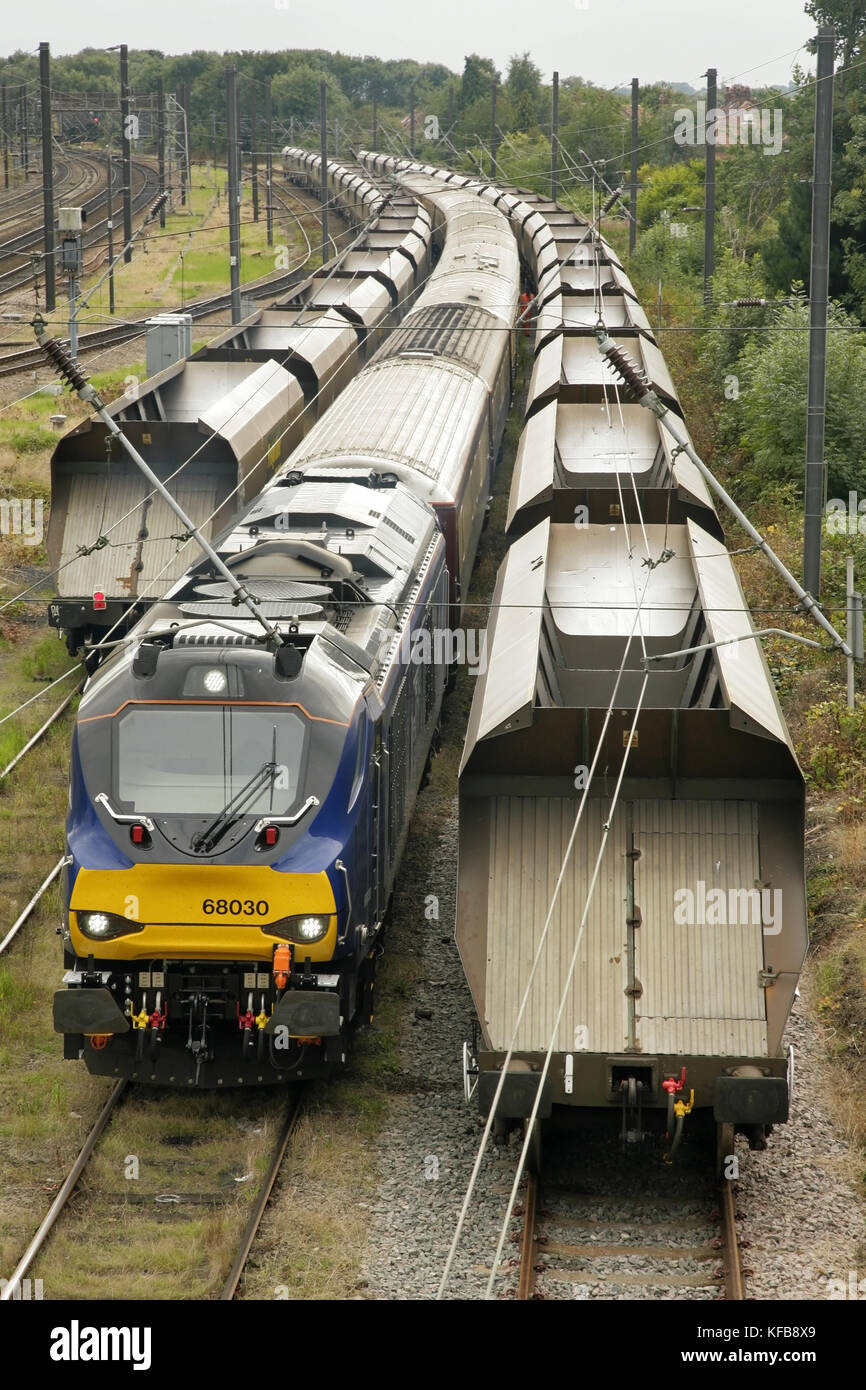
[234,907]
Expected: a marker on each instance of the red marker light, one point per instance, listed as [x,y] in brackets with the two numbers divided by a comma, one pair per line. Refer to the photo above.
[270,834]
[138,834]
[99,601]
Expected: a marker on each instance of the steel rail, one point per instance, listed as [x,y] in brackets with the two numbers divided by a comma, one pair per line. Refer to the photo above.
[262,288]
[735,1288]
[66,1190]
[19,205]
[526,1278]
[94,234]
[230,1286]
[22,917]
[34,738]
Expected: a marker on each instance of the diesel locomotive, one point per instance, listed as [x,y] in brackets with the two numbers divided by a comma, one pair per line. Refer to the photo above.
[239,804]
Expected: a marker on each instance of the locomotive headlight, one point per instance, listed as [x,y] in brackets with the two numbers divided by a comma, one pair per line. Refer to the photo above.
[312,928]
[303,928]
[105,926]
[215,682]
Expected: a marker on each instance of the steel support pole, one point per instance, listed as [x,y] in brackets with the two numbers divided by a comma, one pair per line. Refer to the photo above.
[4,111]
[126,151]
[254,158]
[632,226]
[109,212]
[710,188]
[819,278]
[233,193]
[22,130]
[160,142]
[554,140]
[323,133]
[47,176]
[183,102]
[25,146]
[269,166]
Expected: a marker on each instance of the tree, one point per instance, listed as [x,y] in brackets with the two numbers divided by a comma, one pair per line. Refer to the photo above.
[669,189]
[523,77]
[296,93]
[478,74]
[847,17]
[773,375]
[525,117]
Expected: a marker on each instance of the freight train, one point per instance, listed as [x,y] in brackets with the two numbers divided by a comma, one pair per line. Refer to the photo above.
[239,805]
[631,909]
[217,424]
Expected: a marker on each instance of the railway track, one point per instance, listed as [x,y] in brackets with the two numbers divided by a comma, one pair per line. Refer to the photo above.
[310,205]
[29,358]
[659,1233]
[19,208]
[235,1276]
[172,1206]
[90,193]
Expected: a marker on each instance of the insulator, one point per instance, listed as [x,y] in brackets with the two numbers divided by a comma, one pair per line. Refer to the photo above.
[634,379]
[750,303]
[157,204]
[614,197]
[65,363]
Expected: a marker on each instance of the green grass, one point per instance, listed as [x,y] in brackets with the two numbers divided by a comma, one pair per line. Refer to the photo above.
[16,996]
[46,659]
[26,438]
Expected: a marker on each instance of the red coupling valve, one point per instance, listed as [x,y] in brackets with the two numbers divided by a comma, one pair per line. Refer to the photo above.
[672,1086]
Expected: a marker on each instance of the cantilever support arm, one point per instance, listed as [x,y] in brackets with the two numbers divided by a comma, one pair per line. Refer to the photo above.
[641,391]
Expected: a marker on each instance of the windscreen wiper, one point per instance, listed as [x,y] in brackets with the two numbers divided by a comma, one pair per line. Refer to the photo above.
[206,839]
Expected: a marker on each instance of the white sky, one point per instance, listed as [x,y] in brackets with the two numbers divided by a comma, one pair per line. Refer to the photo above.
[605,41]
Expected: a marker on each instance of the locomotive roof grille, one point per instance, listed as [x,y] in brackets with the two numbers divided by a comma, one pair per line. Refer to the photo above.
[455,331]
[201,639]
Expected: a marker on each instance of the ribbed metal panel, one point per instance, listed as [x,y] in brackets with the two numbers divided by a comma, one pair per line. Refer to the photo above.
[162,556]
[94,502]
[456,331]
[700,980]
[529,836]
[404,412]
